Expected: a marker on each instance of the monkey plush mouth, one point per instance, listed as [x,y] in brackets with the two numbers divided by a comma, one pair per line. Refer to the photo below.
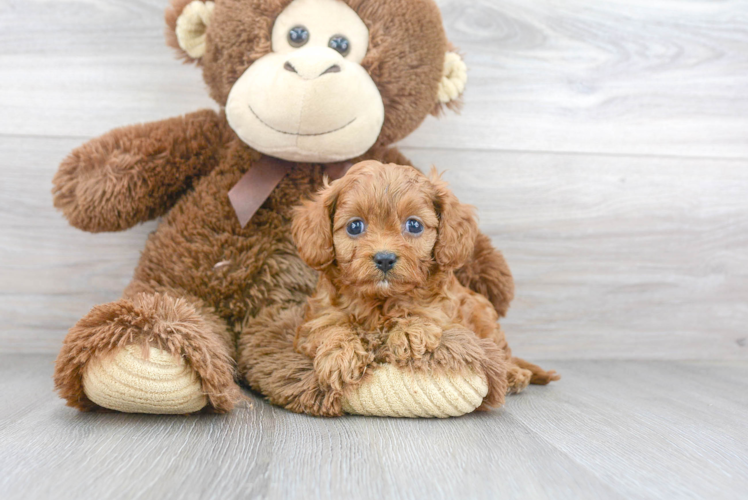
[293,133]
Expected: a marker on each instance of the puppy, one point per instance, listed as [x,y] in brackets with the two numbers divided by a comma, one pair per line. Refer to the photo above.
[387,241]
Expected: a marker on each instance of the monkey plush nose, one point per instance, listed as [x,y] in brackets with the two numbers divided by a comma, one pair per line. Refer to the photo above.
[312,62]
[385,261]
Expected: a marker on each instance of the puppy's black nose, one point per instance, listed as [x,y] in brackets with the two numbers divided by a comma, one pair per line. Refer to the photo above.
[385,261]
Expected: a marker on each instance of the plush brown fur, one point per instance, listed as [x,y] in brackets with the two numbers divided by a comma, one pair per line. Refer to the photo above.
[137,173]
[360,316]
[236,285]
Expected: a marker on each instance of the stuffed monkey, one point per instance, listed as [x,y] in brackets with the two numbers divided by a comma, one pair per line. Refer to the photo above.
[304,88]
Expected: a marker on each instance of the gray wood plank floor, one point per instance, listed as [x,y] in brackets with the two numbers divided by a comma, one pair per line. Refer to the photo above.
[605,145]
[613,429]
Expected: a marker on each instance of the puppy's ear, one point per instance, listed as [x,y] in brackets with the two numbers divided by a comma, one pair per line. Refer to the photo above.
[457,226]
[312,227]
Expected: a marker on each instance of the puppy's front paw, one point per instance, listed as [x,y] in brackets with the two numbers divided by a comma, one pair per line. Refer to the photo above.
[341,361]
[412,338]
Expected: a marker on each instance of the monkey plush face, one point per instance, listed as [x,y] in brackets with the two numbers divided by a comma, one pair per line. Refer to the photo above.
[320,80]
[310,99]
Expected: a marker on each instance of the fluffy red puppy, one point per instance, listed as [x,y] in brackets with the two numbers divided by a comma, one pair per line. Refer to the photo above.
[387,240]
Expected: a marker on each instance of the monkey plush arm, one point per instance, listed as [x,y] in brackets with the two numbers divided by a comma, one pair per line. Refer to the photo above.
[136,173]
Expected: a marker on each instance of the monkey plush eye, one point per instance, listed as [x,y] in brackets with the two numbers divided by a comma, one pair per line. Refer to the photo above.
[341,44]
[355,227]
[298,36]
[413,226]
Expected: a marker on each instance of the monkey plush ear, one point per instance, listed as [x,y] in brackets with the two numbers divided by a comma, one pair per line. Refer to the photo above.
[452,84]
[187,22]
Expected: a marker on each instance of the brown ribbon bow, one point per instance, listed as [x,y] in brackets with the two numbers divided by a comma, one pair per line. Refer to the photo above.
[248,195]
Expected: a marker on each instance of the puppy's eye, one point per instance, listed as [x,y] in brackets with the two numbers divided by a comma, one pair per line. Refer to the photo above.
[413,226]
[341,44]
[356,227]
[298,36]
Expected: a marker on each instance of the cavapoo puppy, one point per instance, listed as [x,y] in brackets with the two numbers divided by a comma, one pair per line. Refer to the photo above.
[387,240]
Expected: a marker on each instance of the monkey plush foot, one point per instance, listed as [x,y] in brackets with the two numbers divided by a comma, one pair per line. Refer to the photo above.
[397,392]
[134,380]
[462,375]
[152,353]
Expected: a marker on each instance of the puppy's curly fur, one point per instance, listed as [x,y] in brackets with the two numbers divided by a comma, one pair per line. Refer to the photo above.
[389,294]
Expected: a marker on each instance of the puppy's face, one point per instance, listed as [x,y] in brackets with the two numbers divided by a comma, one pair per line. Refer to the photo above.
[383,229]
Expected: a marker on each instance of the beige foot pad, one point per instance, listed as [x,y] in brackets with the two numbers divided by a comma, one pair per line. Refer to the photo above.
[395,392]
[129,382]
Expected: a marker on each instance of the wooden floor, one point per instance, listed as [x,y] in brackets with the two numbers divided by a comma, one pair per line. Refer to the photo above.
[605,145]
[612,429]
